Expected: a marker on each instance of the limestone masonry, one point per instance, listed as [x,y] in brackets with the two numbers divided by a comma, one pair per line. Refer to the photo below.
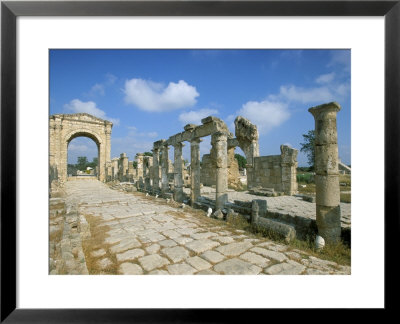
[146,237]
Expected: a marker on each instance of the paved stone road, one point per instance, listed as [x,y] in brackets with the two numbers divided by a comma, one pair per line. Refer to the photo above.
[145,235]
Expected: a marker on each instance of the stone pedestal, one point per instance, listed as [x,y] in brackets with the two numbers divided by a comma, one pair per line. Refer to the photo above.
[164,169]
[327,172]
[195,170]
[156,169]
[178,173]
[219,143]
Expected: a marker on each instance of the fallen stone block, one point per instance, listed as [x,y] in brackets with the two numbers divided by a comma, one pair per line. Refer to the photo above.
[288,232]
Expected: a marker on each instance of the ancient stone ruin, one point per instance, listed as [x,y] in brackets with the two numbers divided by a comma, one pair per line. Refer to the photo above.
[64,128]
[270,176]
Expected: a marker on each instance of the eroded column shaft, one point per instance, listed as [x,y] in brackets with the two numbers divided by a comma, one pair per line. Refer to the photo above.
[178,172]
[219,142]
[139,166]
[164,169]
[156,169]
[326,172]
[195,169]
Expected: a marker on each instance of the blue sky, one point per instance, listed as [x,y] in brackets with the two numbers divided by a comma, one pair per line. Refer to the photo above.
[152,94]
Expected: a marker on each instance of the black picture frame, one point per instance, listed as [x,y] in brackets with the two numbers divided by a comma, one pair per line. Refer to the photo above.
[11,10]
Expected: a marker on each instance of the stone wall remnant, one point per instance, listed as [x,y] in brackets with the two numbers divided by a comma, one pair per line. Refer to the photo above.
[327,172]
[277,172]
[247,137]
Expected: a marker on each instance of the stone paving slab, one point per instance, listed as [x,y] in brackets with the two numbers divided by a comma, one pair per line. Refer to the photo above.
[145,235]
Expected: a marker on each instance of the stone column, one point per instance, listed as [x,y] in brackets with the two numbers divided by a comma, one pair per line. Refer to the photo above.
[164,169]
[114,165]
[194,170]
[327,173]
[156,169]
[107,143]
[123,166]
[178,172]
[139,167]
[219,143]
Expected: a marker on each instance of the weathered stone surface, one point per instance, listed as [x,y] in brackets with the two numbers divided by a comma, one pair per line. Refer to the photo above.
[327,171]
[104,263]
[158,272]
[198,263]
[125,244]
[176,254]
[181,269]
[130,255]
[151,262]
[207,272]
[236,267]
[224,239]
[98,253]
[288,232]
[234,249]
[204,235]
[183,239]
[171,234]
[152,249]
[213,256]
[102,203]
[167,243]
[255,259]
[200,246]
[128,268]
[289,268]
[277,256]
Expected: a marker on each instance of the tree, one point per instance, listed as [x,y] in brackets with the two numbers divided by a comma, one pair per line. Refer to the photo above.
[93,164]
[241,161]
[148,154]
[82,162]
[308,147]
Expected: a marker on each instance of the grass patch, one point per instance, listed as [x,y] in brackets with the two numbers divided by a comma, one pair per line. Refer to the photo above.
[345,197]
[98,234]
[305,178]
[339,253]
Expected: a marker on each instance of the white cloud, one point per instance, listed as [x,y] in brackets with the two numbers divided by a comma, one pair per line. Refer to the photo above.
[341,57]
[110,79]
[97,89]
[325,78]
[265,114]
[195,116]
[306,95]
[77,147]
[90,107]
[154,97]
[133,131]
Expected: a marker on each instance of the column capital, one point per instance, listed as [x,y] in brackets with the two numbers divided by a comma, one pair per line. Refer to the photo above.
[195,141]
[178,145]
[219,136]
[328,107]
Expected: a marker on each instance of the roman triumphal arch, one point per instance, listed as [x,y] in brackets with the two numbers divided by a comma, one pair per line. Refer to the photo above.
[66,127]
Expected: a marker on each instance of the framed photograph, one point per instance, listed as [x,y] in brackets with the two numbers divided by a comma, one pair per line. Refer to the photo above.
[171,55]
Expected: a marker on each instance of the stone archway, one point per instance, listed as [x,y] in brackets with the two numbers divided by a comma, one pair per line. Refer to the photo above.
[66,127]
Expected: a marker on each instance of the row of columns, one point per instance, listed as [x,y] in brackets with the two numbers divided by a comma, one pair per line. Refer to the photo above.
[219,142]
